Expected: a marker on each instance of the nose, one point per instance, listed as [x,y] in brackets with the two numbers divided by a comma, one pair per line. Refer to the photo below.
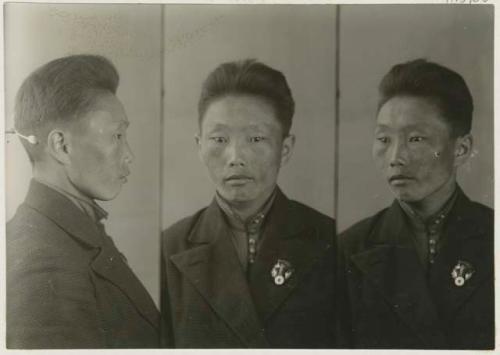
[236,154]
[129,155]
[398,153]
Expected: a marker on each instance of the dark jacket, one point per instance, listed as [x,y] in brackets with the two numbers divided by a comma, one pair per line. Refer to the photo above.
[388,301]
[67,284]
[207,301]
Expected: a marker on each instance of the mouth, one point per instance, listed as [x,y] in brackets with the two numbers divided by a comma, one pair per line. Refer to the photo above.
[123,178]
[400,179]
[237,179]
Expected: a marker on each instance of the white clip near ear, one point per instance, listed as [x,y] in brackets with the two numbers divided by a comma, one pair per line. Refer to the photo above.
[31,138]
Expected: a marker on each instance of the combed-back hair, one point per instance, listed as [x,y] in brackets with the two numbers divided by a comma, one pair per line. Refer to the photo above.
[249,77]
[60,92]
[440,85]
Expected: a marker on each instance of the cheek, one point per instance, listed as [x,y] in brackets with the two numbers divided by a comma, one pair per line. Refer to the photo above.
[266,158]
[378,156]
[212,157]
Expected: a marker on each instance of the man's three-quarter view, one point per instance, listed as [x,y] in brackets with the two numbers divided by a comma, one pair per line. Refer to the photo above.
[419,274]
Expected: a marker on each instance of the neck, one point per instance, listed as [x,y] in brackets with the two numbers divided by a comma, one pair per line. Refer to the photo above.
[435,201]
[245,210]
[56,176]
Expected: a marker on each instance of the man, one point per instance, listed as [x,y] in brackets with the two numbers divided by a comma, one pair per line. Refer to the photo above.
[419,274]
[253,269]
[67,284]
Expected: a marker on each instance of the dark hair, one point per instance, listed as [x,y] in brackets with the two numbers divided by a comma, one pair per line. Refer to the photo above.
[249,77]
[61,91]
[442,86]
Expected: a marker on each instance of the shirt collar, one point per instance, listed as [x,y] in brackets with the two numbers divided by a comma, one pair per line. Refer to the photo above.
[252,224]
[88,206]
[437,219]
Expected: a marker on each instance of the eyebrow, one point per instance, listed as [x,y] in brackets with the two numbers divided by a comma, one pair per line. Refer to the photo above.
[409,127]
[224,126]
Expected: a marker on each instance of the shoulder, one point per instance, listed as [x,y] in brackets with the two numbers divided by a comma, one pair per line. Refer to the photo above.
[176,235]
[482,212]
[34,241]
[310,216]
[30,228]
[478,217]
[356,236]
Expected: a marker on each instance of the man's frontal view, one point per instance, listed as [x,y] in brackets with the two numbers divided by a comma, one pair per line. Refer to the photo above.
[419,274]
[253,269]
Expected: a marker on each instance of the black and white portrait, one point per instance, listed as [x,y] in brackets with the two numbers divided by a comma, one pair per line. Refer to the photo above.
[249,176]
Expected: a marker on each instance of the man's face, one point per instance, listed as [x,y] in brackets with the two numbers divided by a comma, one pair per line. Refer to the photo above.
[99,151]
[413,148]
[241,143]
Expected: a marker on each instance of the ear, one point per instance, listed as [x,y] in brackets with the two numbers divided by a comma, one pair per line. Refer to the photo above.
[57,146]
[197,139]
[463,149]
[287,148]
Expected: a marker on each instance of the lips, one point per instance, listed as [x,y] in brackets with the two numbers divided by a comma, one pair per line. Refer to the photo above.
[123,178]
[400,178]
[237,178]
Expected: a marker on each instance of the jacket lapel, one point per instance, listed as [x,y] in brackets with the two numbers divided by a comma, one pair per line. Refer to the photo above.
[213,268]
[392,266]
[108,261]
[466,240]
[288,237]
[110,264]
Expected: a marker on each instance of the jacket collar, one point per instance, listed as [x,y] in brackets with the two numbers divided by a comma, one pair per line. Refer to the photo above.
[108,261]
[391,264]
[213,267]
[64,213]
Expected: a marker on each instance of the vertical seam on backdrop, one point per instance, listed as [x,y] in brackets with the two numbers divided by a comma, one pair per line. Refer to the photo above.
[162,137]
[337,110]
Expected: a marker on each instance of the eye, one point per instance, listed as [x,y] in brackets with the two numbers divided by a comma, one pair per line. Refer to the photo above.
[416,139]
[119,136]
[383,139]
[218,140]
[256,139]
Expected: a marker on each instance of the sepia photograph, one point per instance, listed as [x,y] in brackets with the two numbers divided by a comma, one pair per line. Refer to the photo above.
[249,176]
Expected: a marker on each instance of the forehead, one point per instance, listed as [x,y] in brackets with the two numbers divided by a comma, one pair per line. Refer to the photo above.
[406,112]
[240,112]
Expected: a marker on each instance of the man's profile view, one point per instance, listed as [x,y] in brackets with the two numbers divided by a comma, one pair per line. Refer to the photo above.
[67,284]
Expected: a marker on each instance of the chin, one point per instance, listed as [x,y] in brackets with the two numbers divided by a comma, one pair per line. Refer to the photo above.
[107,195]
[406,196]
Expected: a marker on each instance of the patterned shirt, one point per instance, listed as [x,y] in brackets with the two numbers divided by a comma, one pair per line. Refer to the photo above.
[246,233]
[428,233]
